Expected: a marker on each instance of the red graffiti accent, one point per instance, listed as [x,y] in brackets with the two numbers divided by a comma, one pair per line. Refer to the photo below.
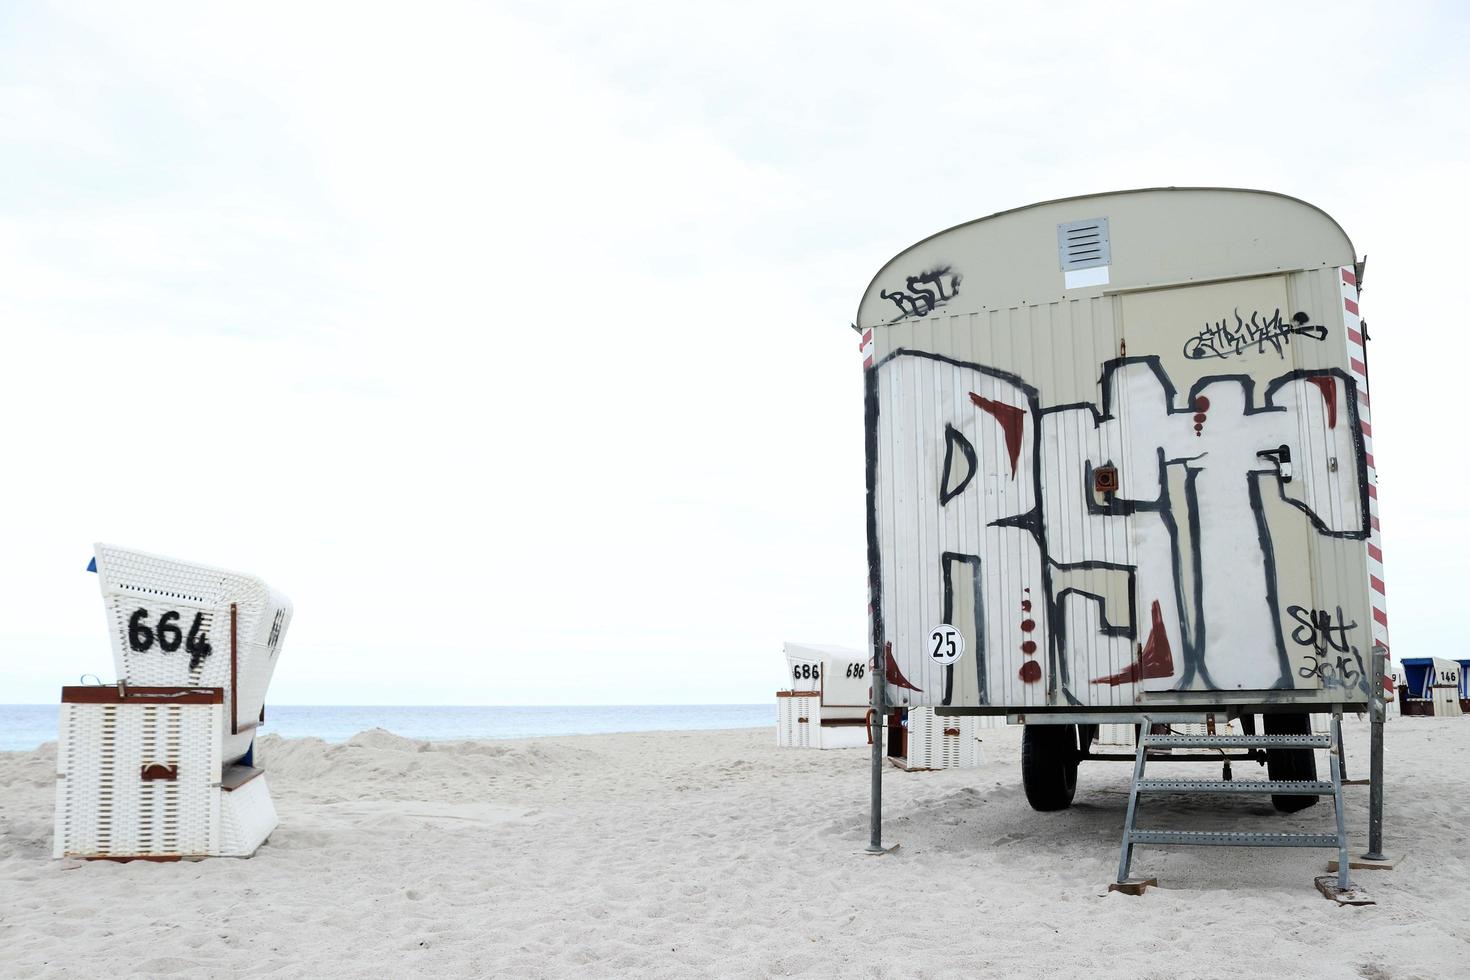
[1012,421]
[1029,648]
[1031,672]
[1327,384]
[1158,659]
[1155,658]
[1201,403]
[894,675]
[1201,406]
[1027,625]
[1026,604]
[1200,418]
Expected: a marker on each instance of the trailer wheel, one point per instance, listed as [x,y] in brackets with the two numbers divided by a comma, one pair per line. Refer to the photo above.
[1290,763]
[1049,765]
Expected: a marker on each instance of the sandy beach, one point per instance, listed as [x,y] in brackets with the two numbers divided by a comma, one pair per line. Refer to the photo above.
[716,854]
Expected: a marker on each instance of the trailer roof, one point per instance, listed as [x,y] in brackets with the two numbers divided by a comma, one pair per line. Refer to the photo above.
[1160,236]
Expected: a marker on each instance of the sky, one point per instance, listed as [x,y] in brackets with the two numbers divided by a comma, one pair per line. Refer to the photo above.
[511,339]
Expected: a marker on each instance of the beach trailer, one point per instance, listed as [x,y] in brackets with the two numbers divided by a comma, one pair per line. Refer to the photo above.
[1432,686]
[826,700]
[1120,470]
[161,765]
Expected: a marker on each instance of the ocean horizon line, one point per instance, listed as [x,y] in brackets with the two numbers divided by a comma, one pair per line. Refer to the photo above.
[24,727]
[441,704]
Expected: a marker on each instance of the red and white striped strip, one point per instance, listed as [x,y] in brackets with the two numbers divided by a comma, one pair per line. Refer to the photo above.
[866,348]
[1358,365]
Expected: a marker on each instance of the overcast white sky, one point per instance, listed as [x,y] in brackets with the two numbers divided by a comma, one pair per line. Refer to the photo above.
[511,341]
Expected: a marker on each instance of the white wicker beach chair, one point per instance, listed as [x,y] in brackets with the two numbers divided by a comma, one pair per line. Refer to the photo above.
[162,765]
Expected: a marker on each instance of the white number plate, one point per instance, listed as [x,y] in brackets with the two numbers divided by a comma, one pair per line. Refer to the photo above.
[946,644]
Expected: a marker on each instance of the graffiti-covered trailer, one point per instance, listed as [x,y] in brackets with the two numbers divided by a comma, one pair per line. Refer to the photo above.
[1120,461]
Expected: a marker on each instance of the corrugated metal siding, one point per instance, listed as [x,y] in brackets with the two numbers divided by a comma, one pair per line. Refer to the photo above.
[1337,565]
[1092,572]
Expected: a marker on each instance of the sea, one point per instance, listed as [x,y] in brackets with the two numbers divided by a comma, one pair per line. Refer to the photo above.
[25,726]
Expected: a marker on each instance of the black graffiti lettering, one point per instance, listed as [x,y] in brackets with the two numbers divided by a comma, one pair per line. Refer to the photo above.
[1219,339]
[1316,628]
[1344,671]
[1333,660]
[918,299]
[275,636]
[1187,577]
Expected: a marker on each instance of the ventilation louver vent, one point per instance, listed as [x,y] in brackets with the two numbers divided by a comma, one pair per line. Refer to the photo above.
[1084,244]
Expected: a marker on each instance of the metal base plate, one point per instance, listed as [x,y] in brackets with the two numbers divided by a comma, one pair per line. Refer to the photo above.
[1351,895]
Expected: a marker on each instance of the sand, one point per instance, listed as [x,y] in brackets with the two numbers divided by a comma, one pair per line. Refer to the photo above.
[716,854]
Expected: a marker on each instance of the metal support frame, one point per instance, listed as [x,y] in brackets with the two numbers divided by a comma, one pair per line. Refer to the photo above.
[1126,858]
[1146,741]
[880,722]
[1376,709]
[1342,847]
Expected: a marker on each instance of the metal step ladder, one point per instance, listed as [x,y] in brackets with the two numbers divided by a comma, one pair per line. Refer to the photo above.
[1132,835]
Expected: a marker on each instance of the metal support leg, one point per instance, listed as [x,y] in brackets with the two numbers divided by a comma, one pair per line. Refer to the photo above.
[1377,709]
[1341,750]
[1342,847]
[880,721]
[1125,859]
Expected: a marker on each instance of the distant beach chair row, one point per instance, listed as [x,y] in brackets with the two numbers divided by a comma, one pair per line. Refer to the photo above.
[826,704]
[1433,686]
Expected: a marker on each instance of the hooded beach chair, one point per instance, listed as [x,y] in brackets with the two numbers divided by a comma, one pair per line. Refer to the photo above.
[161,765]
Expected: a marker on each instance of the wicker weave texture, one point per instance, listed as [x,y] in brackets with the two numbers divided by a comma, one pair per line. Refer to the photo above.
[104,806]
[247,818]
[169,623]
[796,718]
[930,748]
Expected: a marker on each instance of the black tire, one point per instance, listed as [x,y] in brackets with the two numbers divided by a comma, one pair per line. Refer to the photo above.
[1290,763]
[1049,766]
